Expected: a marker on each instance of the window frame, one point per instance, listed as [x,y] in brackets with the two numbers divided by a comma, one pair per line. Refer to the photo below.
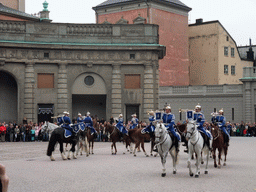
[129,86]
[232,52]
[225,69]
[225,51]
[39,84]
[233,72]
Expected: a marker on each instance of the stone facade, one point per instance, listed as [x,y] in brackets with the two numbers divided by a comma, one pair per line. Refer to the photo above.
[211,98]
[172,18]
[71,52]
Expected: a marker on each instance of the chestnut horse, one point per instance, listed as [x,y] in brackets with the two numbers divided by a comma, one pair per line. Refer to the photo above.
[114,136]
[218,143]
[90,137]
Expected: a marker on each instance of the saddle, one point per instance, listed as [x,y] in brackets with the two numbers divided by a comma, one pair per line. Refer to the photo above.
[206,139]
[175,141]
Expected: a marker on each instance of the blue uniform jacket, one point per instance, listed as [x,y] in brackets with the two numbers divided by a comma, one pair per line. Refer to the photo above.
[64,122]
[135,122]
[88,122]
[80,119]
[168,120]
[199,118]
[120,125]
[221,120]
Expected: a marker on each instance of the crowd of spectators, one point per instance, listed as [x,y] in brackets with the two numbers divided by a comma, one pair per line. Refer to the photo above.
[25,132]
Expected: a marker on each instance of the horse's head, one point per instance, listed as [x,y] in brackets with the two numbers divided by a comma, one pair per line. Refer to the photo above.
[214,130]
[191,127]
[44,127]
[160,132]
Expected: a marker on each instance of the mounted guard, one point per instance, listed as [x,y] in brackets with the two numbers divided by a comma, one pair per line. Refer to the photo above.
[120,125]
[80,119]
[200,120]
[88,123]
[169,122]
[221,121]
[65,123]
[150,128]
[134,121]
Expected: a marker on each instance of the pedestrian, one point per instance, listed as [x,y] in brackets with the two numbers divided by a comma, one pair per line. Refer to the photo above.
[4,179]
[16,133]
[3,132]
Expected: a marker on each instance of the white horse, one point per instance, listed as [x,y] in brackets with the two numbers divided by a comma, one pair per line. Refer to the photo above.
[196,144]
[164,145]
[48,127]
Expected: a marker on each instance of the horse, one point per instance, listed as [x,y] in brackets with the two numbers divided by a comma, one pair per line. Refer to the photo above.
[114,136]
[196,144]
[136,137]
[57,136]
[218,143]
[164,145]
[48,127]
[90,137]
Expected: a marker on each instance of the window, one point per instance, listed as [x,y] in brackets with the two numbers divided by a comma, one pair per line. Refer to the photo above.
[132,81]
[132,56]
[227,38]
[232,52]
[45,80]
[46,55]
[226,51]
[225,69]
[233,69]
[233,114]
[89,80]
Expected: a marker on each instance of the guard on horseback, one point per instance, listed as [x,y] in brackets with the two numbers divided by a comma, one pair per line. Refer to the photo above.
[80,119]
[65,122]
[150,128]
[199,118]
[88,123]
[134,121]
[120,125]
[169,121]
[221,121]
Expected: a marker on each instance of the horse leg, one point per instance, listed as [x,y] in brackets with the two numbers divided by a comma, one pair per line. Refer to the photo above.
[89,147]
[163,160]
[92,146]
[214,156]
[136,146]
[115,148]
[198,160]
[174,156]
[225,153]
[112,145]
[207,159]
[86,147]
[73,149]
[219,164]
[190,154]
[66,148]
[202,159]
[62,152]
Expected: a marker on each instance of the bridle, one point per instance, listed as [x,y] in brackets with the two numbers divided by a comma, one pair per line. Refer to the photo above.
[159,137]
[191,133]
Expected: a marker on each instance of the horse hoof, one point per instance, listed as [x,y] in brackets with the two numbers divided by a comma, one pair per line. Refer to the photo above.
[218,166]
[147,155]
[130,152]
[224,164]
[123,153]
[174,172]
[92,153]
[69,158]
[215,165]
[202,163]
[151,154]
[206,172]
[196,176]
[163,174]
[134,155]
[52,159]
[191,174]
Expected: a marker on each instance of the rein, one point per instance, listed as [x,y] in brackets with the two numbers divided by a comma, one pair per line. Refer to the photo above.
[217,135]
[162,142]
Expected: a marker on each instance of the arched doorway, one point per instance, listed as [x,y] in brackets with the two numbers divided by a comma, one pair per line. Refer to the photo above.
[8,98]
[89,94]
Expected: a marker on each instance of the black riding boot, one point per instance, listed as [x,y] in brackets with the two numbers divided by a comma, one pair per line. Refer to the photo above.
[177,145]
[155,149]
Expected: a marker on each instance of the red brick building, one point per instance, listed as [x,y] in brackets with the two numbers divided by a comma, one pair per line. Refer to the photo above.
[172,18]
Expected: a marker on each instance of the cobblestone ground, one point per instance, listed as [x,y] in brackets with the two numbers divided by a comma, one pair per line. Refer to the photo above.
[30,169]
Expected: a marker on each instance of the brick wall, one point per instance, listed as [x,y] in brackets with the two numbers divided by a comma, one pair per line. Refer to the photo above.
[14,4]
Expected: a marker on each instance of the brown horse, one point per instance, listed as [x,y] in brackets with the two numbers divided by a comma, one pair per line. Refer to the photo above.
[218,143]
[90,137]
[138,138]
[114,136]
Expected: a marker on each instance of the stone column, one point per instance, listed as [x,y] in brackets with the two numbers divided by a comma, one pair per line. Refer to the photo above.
[62,103]
[29,100]
[116,91]
[148,91]
[156,85]
[248,102]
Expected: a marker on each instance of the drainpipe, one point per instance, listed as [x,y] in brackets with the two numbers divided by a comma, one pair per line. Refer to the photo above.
[148,21]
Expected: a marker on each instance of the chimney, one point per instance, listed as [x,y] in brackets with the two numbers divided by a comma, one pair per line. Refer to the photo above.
[250,53]
[199,21]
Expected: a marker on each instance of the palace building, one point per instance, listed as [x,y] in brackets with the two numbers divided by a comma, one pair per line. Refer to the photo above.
[47,68]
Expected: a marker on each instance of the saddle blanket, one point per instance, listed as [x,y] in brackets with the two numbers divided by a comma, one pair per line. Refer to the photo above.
[67,133]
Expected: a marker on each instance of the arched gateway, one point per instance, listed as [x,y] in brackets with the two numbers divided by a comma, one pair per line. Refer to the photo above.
[89,94]
[8,98]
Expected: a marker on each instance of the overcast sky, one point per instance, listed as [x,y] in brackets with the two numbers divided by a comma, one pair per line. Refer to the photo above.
[237,16]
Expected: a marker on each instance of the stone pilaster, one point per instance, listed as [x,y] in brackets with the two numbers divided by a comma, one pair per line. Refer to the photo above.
[148,92]
[248,102]
[156,68]
[29,98]
[116,91]
[62,104]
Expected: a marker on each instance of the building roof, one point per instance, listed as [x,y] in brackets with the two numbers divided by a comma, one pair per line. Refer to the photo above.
[15,13]
[176,3]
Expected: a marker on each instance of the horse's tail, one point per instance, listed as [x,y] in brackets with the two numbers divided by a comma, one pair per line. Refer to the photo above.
[51,143]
